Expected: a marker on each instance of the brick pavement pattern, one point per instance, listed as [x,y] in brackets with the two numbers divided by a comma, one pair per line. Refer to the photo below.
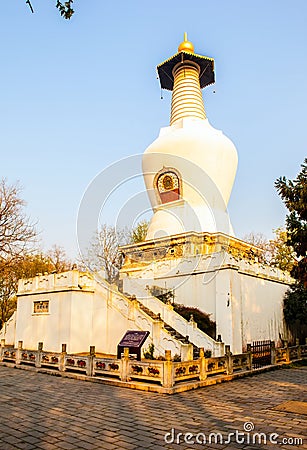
[39,411]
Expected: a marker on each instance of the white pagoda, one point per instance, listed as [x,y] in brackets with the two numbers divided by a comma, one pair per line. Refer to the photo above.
[190,251]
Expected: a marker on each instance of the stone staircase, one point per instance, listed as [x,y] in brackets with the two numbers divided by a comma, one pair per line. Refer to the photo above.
[173,324]
[169,329]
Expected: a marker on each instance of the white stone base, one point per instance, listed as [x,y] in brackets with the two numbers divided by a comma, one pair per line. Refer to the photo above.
[243,297]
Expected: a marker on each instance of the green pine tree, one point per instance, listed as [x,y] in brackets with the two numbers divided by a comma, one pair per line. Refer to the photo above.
[294,195]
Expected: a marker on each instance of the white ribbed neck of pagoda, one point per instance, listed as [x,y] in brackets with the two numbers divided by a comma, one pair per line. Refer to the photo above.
[186,73]
[187,100]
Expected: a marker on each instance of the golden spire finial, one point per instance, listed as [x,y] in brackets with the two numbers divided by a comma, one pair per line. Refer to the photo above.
[186,46]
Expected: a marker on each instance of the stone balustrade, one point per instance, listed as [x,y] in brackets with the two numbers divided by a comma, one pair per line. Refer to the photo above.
[72,279]
[166,373]
[172,318]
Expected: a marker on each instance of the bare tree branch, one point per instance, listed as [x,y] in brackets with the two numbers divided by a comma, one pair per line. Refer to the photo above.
[17,232]
[103,253]
[30,6]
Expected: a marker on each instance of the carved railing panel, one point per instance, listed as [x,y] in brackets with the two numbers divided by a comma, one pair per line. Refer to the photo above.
[216,365]
[107,367]
[147,371]
[186,370]
[76,363]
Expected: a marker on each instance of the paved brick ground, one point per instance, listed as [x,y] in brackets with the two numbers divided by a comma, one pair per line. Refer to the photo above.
[39,411]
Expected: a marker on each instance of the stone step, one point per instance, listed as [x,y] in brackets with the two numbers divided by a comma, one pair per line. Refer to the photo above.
[174,333]
[147,311]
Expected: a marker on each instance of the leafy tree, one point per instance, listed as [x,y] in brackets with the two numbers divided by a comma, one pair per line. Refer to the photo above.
[295,311]
[8,285]
[294,195]
[281,254]
[276,252]
[18,257]
[26,266]
[138,234]
[65,9]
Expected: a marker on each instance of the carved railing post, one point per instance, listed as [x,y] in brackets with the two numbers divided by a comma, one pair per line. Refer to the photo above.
[168,377]
[299,350]
[62,358]
[90,361]
[250,356]
[202,365]
[156,331]
[38,359]
[287,351]
[273,353]
[18,352]
[133,307]
[229,362]
[186,351]
[125,365]
[192,326]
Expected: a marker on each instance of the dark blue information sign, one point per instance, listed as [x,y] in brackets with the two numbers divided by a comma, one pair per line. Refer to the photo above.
[134,341]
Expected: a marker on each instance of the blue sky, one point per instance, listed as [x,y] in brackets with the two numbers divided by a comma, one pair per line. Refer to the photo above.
[77,96]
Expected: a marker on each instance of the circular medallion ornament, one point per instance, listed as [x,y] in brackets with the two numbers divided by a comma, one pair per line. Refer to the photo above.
[168,186]
[167,182]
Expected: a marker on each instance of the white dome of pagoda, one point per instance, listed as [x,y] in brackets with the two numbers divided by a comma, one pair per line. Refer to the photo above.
[190,168]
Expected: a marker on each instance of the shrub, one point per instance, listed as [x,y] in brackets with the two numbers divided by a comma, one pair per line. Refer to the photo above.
[202,319]
[149,352]
[295,311]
